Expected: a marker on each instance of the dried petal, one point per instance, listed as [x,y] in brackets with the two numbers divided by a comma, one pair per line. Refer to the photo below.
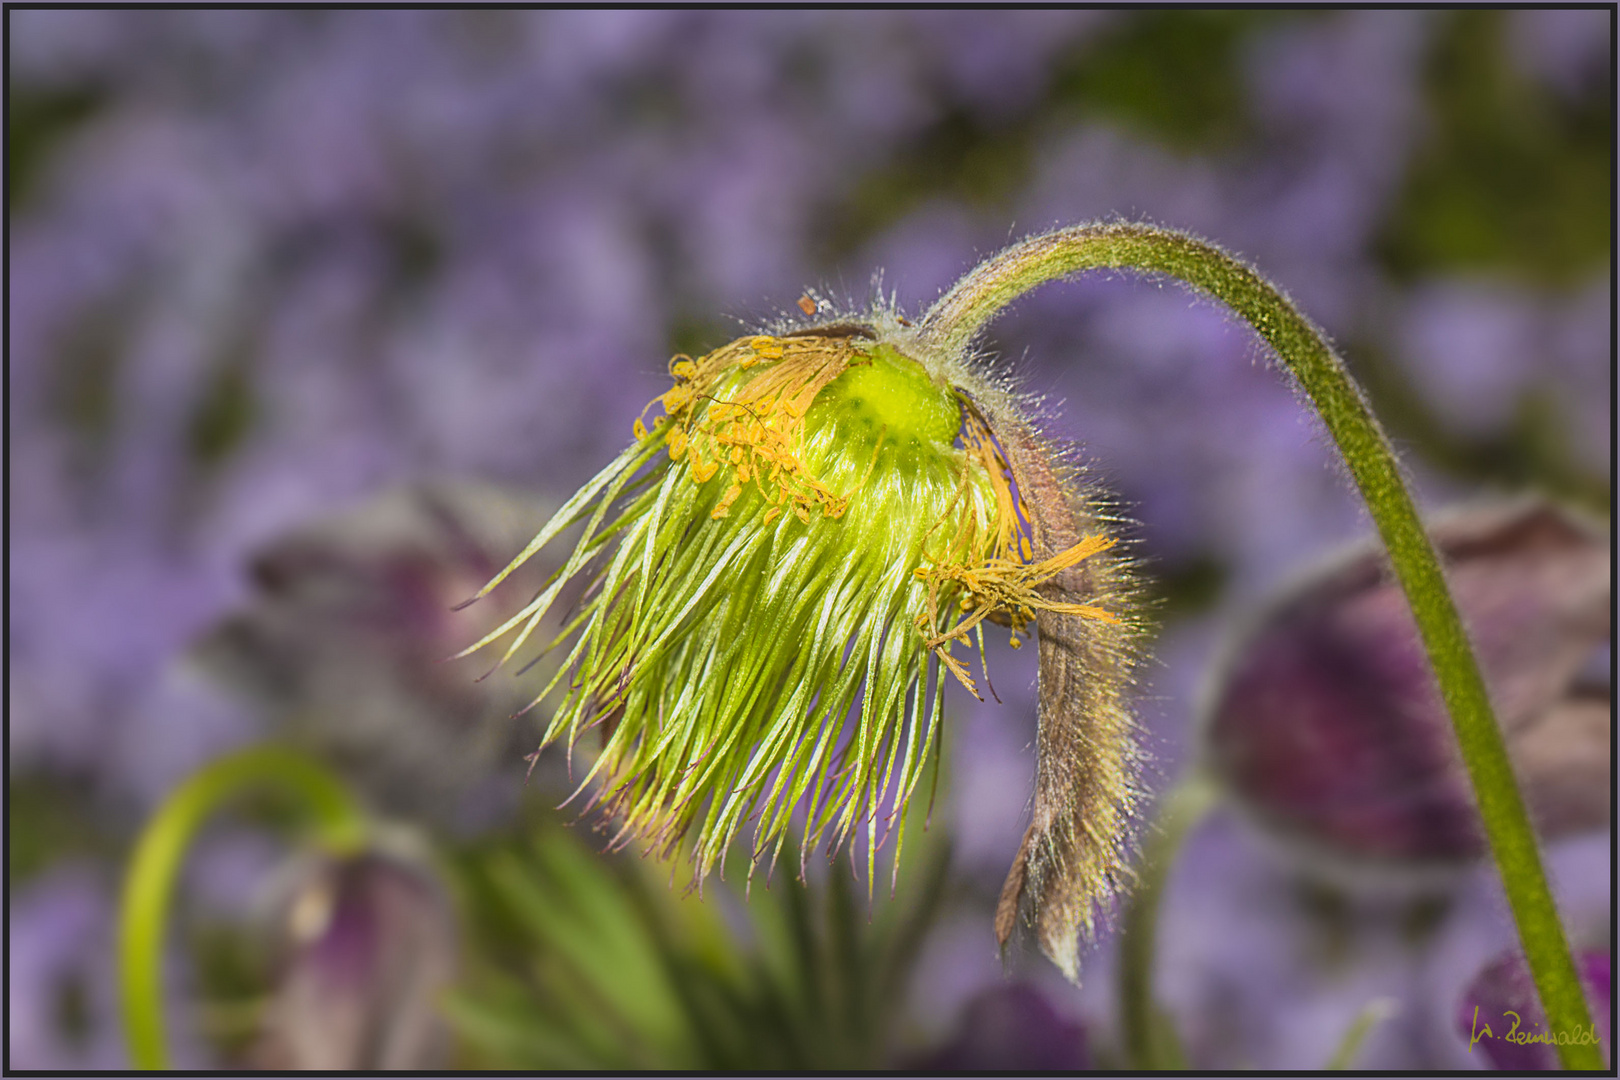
[1072,857]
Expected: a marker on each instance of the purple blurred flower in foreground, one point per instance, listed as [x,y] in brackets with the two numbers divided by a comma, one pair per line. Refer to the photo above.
[343,643]
[1501,1016]
[1010,1027]
[1328,727]
[370,947]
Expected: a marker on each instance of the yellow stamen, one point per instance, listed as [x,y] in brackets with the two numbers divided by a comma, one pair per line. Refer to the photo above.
[1003,585]
[755,427]
[726,500]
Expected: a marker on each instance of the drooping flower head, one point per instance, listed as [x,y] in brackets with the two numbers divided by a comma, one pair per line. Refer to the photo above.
[778,568]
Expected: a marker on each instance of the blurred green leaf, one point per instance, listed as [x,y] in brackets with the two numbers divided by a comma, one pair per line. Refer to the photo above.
[47,820]
[36,121]
[223,415]
[1172,75]
[1510,177]
[583,960]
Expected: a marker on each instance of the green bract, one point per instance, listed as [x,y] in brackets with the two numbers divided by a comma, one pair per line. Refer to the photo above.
[772,567]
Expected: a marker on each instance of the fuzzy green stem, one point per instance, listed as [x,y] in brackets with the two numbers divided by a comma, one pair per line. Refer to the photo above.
[1150,1041]
[161,848]
[958,317]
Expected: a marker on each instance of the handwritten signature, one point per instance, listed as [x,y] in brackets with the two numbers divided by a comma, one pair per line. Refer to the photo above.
[1521,1038]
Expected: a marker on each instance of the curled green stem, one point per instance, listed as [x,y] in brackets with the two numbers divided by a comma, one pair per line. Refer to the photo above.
[160,850]
[957,318]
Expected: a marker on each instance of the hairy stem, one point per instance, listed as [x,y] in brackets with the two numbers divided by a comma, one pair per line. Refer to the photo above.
[958,317]
[161,848]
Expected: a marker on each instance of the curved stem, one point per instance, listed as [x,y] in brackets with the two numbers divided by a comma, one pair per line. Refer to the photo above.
[952,323]
[1150,1041]
[161,848]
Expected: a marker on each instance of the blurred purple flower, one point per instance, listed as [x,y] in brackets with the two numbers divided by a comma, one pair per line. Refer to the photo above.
[1472,348]
[998,62]
[370,945]
[1327,727]
[60,1009]
[344,642]
[1565,49]
[1580,378]
[1009,1027]
[1503,986]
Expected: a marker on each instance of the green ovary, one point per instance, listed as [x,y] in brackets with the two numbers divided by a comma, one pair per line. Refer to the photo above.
[891,394]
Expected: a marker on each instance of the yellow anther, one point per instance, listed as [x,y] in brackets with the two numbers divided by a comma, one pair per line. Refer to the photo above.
[768,348]
[638,429]
[1006,588]
[752,425]
[677,398]
[726,500]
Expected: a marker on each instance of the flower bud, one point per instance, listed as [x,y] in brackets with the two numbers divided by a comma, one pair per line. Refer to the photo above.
[1501,1016]
[1328,727]
[369,947]
[778,568]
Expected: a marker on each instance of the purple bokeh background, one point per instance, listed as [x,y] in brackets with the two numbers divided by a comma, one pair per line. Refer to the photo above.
[287,260]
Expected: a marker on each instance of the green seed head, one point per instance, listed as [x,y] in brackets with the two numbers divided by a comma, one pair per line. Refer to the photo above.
[773,566]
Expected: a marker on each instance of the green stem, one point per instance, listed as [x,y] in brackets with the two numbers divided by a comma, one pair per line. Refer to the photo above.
[1150,1041]
[1372,1014]
[161,848]
[958,317]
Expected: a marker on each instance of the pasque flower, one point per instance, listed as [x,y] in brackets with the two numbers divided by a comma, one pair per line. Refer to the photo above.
[816,526]
[1327,730]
